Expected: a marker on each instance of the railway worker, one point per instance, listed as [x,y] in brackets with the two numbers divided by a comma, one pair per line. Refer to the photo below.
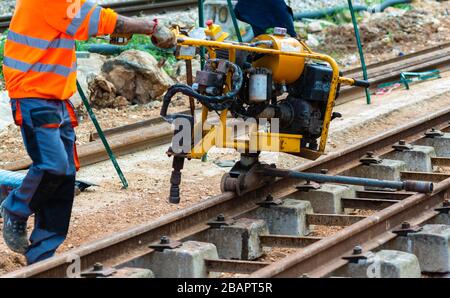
[40,73]
[266,14]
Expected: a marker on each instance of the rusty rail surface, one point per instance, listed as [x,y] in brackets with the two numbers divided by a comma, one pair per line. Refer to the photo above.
[127,245]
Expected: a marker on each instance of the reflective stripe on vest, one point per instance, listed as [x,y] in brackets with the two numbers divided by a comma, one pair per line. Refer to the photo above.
[79,18]
[94,22]
[60,43]
[39,67]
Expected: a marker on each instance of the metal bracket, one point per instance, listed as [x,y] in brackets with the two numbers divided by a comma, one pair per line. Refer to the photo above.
[219,222]
[370,159]
[269,202]
[406,229]
[433,133]
[357,255]
[165,243]
[402,146]
[98,271]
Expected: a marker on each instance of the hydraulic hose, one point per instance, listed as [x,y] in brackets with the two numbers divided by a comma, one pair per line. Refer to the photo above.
[318,14]
[322,13]
[415,186]
[11,179]
[215,103]
[386,4]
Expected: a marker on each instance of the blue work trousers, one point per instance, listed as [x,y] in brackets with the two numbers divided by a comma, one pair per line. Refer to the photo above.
[48,189]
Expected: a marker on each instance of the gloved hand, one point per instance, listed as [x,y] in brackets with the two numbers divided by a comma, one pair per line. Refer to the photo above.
[163,37]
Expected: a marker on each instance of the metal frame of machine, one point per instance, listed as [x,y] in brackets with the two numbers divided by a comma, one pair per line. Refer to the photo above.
[233,47]
[282,59]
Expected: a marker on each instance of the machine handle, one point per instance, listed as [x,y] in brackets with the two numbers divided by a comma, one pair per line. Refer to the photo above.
[361,83]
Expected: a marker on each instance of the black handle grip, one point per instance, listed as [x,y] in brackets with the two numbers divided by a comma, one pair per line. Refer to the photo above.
[362,83]
[175,179]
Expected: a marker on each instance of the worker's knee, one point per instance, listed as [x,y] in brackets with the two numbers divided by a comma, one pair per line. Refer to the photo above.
[56,163]
[50,186]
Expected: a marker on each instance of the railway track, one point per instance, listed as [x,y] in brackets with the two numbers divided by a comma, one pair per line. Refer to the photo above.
[131,8]
[153,132]
[316,256]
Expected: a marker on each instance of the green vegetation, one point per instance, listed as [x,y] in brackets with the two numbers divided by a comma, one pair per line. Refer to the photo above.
[2,48]
[405,6]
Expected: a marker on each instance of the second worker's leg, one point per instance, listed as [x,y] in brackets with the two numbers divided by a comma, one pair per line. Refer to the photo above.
[52,221]
[40,130]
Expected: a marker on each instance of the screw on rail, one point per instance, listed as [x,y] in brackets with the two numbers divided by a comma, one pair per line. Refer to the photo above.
[98,270]
[308,186]
[406,225]
[164,240]
[357,250]
[98,267]
[406,228]
[269,202]
[165,243]
[221,218]
[220,221]
[432,133]
[370,158]
[402,146]
[357,255]
[445,209]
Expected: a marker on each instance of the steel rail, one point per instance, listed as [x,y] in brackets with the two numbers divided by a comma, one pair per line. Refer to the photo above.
[437,57]
[127,245]
[323,257]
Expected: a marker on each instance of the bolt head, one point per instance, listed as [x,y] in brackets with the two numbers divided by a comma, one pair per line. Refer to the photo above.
[98,266]
[370,153]
[220,217]
[324,171]
[357,250]
[402,142]
[406,225]
[269,198]
[165,240]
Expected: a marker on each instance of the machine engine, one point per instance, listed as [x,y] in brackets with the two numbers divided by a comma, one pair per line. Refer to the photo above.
[300,110]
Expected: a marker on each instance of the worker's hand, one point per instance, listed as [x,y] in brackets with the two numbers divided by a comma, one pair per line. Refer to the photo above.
[163,37]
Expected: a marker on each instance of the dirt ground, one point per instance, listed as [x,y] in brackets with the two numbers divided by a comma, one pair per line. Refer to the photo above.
[107,209]
[389,34]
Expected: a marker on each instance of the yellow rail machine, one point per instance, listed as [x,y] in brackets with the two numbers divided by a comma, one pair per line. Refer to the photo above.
[275,82]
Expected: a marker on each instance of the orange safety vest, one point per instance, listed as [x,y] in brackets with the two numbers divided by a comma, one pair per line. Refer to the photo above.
[39,57]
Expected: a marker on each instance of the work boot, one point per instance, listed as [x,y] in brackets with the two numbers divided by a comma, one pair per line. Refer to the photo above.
[14,232]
